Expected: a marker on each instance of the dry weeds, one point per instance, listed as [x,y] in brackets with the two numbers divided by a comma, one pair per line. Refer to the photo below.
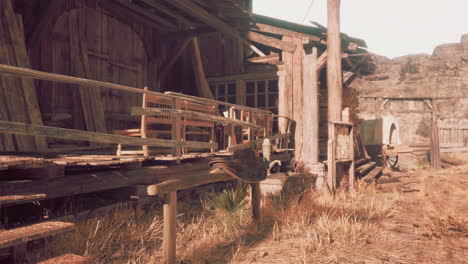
[318,221]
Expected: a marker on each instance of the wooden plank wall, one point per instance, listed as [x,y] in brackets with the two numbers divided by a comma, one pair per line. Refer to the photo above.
[115,53]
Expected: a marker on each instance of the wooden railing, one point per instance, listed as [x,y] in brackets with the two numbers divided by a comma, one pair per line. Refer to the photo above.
[254,123]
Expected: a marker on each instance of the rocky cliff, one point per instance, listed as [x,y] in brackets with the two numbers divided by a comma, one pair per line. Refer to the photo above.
[442,76]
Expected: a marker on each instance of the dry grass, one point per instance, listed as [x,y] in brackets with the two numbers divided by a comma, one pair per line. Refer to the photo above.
[318,221]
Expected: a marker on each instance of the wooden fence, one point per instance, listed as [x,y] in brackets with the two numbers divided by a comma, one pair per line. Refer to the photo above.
[453,136]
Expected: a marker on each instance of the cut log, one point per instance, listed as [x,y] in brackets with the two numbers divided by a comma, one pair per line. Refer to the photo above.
[25,234]
[66,259]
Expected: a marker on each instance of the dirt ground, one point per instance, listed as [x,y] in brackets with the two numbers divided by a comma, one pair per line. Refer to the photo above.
[428,224]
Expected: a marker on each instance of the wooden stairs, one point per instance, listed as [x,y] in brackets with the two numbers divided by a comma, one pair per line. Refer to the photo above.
[367,170]
[16,241]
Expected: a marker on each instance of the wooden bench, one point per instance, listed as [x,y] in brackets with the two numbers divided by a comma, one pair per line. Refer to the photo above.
[170,127]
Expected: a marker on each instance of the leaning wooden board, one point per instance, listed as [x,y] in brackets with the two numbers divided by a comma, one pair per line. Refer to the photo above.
[20,103]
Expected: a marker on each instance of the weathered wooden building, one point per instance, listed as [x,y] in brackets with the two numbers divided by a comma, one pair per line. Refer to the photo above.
[73,73]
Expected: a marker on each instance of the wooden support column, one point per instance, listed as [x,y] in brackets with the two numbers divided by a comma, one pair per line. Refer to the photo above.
[298,95]
[170,223]
[282,103]
[335,85]
[285,83]
[310,149]
[334,69]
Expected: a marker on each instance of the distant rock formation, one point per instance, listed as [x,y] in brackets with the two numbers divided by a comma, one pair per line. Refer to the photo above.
[444,75]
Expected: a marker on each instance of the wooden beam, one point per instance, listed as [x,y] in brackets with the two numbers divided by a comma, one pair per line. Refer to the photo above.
[179,50]
[273,59]
[271,42]
[198,12]
[146,13]
[284,32]
[244,77]
[158,6]
[190,33]
[322,60]
[202,85]
[36,130]
[190,114]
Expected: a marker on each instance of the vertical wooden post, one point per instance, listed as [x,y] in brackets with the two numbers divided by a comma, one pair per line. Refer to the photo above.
[310,149]
[334,83]
[435,145]
[286,92]
[169,232]
[352,168]
[334,69]
[256,200]
[282,102]
[298,94]
[331,154]
[176,130]
[143,126]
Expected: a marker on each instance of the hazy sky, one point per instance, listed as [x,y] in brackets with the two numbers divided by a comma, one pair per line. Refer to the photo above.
[390,27]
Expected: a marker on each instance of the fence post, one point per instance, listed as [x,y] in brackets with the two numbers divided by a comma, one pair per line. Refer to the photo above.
[169,232]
